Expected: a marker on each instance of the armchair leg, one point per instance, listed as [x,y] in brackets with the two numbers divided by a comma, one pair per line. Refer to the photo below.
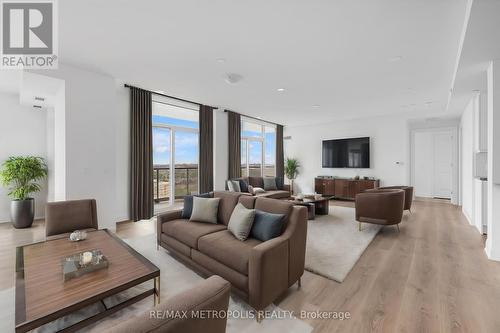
[397,225]
[359,226]
[157,247]
[299,283]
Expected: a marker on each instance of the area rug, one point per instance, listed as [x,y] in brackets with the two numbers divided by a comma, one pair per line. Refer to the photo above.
[334,243]
[175,278]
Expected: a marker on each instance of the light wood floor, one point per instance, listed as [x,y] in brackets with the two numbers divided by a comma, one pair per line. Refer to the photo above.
[433,276]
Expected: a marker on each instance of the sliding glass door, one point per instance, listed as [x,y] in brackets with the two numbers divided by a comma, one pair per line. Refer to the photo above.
[161,159]
[175,152]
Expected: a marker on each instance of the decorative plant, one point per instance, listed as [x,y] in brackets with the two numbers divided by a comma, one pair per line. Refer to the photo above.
[21,173]
[291,170]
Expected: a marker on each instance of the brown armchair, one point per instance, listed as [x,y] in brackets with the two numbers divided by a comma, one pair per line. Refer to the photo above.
[408,194]
[211,296]
[380,206]
[64,217]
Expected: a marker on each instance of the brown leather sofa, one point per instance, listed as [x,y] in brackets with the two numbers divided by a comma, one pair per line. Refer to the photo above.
[258,271]
[282,192]
[408,194]
[64,217]
[210,295]
[380,206]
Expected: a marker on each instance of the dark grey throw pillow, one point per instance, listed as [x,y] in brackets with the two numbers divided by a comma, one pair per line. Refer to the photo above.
[280,183]
[243,185]
[188,204]
[270,183]
[266,225]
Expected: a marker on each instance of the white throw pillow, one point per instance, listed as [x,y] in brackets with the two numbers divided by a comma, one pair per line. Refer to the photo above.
[257,190]
[205,210]
[241,222]
[233,186]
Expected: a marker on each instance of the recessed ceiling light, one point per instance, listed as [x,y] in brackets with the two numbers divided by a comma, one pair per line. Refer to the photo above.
[221,60]
[315,106]
[159,91]
[280,89]
[233,78]
[395,59]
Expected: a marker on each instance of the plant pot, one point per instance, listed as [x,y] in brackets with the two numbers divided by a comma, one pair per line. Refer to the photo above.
[22,212]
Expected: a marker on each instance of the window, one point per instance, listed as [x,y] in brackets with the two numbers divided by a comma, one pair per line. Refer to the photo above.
[258,148]
[175,143]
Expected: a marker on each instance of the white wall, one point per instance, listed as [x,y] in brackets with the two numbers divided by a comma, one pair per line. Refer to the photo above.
[493,239]
[22,132]
[96,141]
[467,160]
[389,154]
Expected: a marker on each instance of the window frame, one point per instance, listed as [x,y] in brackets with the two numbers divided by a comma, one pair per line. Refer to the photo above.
[261,139]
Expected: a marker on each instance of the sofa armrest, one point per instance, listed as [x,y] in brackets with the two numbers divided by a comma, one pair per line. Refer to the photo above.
[165,217]
[211,294]
[268,272]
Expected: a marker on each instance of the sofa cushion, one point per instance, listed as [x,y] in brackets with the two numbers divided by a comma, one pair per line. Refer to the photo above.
[228,201]
[269,183]
[247,200]
[188,204]
[256,181]
[274,206]
[274,194]
[205,210]
[266,225]
[226,249]
[189,232]
[241,221]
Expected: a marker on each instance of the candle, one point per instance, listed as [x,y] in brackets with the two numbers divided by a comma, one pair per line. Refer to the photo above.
[86,258]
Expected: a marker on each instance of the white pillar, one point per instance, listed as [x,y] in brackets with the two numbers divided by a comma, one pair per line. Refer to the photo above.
[493,240]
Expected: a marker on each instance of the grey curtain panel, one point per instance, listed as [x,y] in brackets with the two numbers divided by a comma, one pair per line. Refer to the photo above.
[280,155]
[141,155]
[206,151]
[234,139]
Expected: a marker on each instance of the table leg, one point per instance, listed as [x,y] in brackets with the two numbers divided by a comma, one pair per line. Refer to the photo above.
[157,291]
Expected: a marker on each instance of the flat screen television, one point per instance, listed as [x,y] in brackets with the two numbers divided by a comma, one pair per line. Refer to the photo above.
[346,153]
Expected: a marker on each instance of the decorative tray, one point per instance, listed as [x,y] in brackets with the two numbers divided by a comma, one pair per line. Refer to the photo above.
[82,263]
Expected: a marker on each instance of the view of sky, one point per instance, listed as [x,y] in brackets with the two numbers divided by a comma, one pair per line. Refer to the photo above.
[186,143]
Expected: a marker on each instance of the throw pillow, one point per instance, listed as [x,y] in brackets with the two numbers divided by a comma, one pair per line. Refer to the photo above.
[205,210]
[250,189]
[188,204]
[280,183]
[270,183]
[233,186]
[257,190]
[243,185]
[241,222]
[267,226]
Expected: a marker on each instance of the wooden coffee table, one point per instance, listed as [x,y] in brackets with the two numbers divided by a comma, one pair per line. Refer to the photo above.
[42,296]
[315,207]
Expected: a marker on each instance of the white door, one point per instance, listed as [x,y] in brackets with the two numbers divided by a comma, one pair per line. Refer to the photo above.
[443,164]
[423,168]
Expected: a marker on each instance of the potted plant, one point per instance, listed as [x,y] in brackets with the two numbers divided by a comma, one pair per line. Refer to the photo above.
[291,170]
[21,173]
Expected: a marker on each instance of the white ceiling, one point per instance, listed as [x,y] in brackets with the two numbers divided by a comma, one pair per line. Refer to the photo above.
[336,54]
[481,44]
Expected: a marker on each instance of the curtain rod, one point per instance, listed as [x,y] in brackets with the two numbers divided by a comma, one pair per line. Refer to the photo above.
[262,120]
[173,97]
